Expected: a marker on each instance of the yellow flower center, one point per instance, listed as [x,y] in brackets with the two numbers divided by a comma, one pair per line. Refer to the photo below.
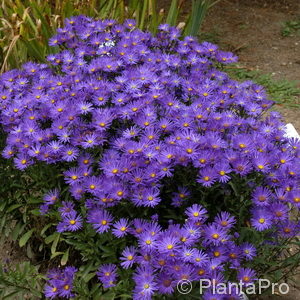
[215,236]
[224,223]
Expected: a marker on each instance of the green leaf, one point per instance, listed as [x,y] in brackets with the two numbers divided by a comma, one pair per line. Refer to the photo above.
[88,277]
[54,244]
[56,254]
[23,240]
[51,238]
[35,212]
[173,13]
[17,231]
[10,296]
[45,228]
[13,207]
[65,258]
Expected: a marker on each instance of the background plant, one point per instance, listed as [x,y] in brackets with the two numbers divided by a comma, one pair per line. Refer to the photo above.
[26,26]
[291,27]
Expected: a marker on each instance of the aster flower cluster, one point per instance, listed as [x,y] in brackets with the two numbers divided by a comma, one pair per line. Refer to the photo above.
[123,110]
[60,283]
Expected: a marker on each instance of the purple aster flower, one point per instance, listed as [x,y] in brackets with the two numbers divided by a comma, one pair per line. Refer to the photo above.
[120,228]
[261,196]
[196,212]
[101,220]
[248,251]
[246,276]
[60,283]
[147,242]
[67,208]
[168,244]
[199,258]
[70,153]
[207,177]
[165,283]
[215,234]
[261,219]
[261,163]
[128,257]
[294,197]
[289,229]
[139,227]
[279,211]
[107,274]
[22,162]
[222,170]
[225,220]
[73,220]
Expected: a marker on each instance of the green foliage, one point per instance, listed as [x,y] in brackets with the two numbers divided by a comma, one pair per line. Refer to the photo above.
[196,18]
[27,25]
[290,28]
[19,282]
[281,91]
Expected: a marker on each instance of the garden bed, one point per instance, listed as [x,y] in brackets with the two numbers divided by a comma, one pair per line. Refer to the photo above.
[254,34]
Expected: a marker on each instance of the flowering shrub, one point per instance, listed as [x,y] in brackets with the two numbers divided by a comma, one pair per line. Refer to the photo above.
[171,165]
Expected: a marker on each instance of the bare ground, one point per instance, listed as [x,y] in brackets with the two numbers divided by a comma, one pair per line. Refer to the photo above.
[252,29]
